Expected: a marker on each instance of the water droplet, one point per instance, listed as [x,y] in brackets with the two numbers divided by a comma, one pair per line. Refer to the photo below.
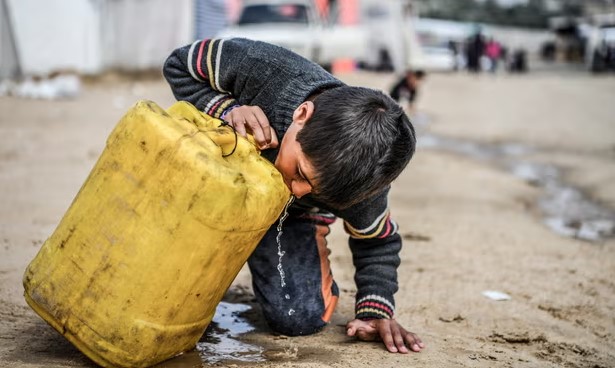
[291,312]
[287,296]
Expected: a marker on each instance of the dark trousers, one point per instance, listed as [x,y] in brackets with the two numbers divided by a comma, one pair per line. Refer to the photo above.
[305,303]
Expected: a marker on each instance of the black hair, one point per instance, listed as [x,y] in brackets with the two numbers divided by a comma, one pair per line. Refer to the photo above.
[358,140]
[419,74]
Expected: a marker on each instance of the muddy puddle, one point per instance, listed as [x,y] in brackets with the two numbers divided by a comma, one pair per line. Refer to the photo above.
[566,210]
[221,340]
[223,344]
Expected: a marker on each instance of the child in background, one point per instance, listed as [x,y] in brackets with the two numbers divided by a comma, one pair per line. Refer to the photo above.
[407,88]
[338,149]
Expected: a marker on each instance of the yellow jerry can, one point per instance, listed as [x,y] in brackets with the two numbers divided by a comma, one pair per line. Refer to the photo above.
[166,219]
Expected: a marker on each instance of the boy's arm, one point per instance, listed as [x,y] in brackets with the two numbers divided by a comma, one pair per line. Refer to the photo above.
[376,262]
[218,75]
[375,247]
[204,72]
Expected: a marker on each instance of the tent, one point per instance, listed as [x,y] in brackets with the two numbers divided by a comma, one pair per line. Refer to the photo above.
[88,37]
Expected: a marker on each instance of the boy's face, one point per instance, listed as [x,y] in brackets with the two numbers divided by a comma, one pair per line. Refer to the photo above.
[292,163]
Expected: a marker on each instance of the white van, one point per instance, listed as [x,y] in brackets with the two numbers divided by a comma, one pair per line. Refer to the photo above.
[381,38]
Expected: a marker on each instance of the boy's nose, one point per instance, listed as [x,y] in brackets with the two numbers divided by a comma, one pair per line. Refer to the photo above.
[299,189]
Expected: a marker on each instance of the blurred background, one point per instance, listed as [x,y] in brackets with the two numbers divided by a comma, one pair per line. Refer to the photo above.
[89,37]
[511,188]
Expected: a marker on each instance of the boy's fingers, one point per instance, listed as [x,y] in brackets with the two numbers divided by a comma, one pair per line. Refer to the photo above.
[263,123]
[239,124]
[394,336]
[257,131]
[351,328]
[363,330]
[364,335]
[384,331]
[260,114]
[389,342]
[274,138]
[411,339]
[418,340]
[251,119]
[398,338]
[258,124]
[368,333]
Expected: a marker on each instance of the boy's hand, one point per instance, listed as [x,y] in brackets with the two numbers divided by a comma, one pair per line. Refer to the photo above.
[395,337]
[251,119]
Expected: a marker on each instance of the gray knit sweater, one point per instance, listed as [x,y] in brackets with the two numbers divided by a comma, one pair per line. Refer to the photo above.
[217,75]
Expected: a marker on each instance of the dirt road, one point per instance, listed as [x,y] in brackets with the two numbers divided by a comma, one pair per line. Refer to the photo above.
[471,223]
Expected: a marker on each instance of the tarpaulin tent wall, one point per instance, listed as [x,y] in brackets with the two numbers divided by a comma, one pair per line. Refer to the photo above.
[91,36]
[140,34]
[55,35]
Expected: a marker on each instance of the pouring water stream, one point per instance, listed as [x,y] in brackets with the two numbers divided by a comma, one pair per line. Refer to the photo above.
[278,239]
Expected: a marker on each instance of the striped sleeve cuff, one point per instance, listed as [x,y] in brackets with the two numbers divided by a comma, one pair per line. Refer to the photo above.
[227,110]
[382,227]
[220,105]
[374,307]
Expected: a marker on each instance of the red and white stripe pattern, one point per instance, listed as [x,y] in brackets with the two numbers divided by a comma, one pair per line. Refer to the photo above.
[204,66]
[374,307]
[320,217]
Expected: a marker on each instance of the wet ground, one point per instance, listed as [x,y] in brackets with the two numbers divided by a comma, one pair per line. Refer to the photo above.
[221,341]
[566,209]
[510,191]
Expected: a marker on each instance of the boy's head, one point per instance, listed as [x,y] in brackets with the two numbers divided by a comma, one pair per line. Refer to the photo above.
[348,144]
[414,77]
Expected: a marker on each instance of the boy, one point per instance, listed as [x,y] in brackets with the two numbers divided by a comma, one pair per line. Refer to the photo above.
[408,87]
[340,149]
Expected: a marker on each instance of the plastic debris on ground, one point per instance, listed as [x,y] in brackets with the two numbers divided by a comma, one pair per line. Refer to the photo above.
[496,295]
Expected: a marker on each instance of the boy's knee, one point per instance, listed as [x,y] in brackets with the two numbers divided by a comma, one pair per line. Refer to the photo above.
[291,322]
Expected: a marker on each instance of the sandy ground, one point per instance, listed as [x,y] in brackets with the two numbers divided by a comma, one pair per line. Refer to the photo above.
[468,225]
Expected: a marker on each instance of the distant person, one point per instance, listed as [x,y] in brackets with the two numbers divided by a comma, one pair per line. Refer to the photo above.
[338,148]
[504,55]
[475,49]
[518,63]
[548,51]
[407,88]
[603,58]
[600,58]
[493,51]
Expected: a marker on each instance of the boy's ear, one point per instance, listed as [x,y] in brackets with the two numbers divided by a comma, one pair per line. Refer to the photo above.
[303,113]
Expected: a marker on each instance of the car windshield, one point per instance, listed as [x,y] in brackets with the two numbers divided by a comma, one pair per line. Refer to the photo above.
[284,13]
